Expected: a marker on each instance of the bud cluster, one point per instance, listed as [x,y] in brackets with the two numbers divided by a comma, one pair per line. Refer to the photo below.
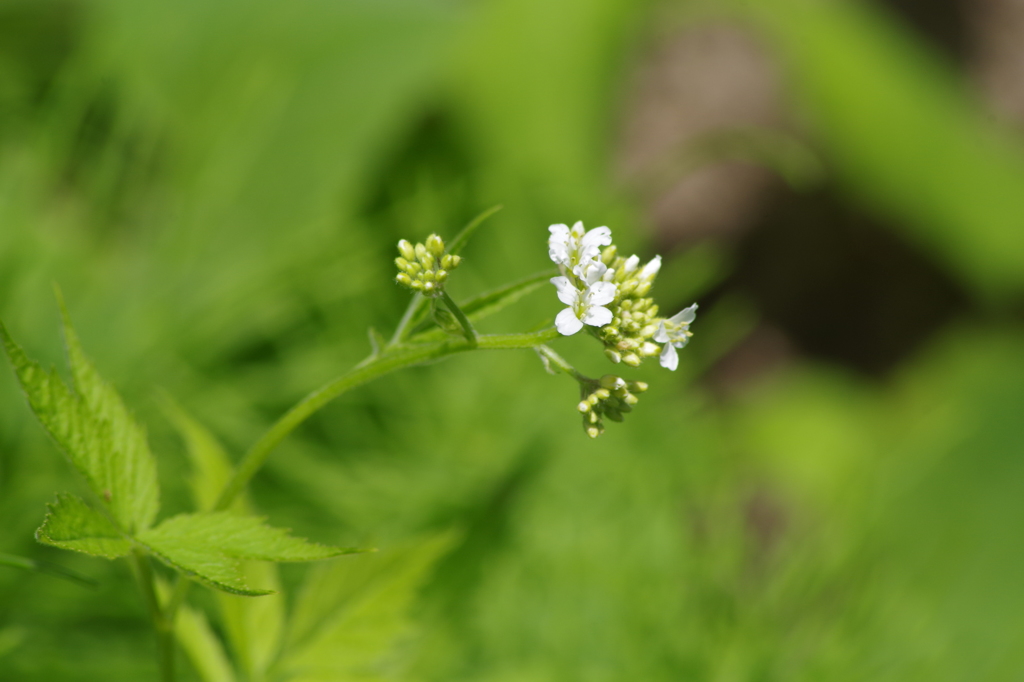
[425,267]
[628,337]
[610,397]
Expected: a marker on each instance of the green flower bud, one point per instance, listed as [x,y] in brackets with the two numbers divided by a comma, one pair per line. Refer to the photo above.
[612,382]
[406,249]
[435,245]
[631,359]
[612,355]
[403,279]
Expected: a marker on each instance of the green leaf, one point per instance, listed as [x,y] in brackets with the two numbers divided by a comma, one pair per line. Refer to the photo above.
[72,524]
[208,546]
[94,429]
[350,615]
[462,238]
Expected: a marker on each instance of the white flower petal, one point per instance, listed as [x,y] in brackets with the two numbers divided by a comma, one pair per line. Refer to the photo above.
[567,323]
[651,269]
[600,293]
[669,357]
[596,238]
[590,271]
[597,316]
[685,316]
[559,244]
[631,264]
[577,230]
[567,292]
[661,336]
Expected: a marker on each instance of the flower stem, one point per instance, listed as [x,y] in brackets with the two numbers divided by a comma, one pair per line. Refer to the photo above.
[559,362]
[398,357]
[467,326]
[411,312]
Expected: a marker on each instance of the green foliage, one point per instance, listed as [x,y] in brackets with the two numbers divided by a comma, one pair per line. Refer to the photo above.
[95,430]
[72,524]
[207,546]
[350,616]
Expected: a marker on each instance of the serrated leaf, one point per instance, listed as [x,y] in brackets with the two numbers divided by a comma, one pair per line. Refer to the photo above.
[350,615]
[208,547]
[94,429]
[72,524]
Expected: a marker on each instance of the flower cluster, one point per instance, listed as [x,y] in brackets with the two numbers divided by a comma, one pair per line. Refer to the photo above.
[610,294]
[425,267]
[610,397]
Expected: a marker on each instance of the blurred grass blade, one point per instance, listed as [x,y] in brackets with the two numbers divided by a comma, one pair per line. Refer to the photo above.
[349,615]
[211,467]
[199,642]
[902,132]
[55,570]
[462,238]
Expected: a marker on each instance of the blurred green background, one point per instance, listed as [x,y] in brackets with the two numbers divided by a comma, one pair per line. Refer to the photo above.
[830,488]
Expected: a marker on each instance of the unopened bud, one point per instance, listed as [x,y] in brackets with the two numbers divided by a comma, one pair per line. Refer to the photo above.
[435,245]
[612,382]
[593,431]
[403,279]
[584,406]
[613,356]
[608,255]
[406,249]
[631,359]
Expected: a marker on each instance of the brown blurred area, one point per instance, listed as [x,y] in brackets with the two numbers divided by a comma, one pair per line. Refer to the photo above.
[828,281]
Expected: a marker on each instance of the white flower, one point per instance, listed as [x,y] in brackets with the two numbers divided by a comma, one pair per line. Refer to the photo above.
[585,307]
[570,248]
[674,335]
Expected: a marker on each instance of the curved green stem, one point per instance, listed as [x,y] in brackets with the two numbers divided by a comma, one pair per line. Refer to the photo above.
[396,358]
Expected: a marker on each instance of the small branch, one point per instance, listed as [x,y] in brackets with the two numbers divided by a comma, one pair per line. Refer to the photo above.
[559,362]
[467,326]
[396,358]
